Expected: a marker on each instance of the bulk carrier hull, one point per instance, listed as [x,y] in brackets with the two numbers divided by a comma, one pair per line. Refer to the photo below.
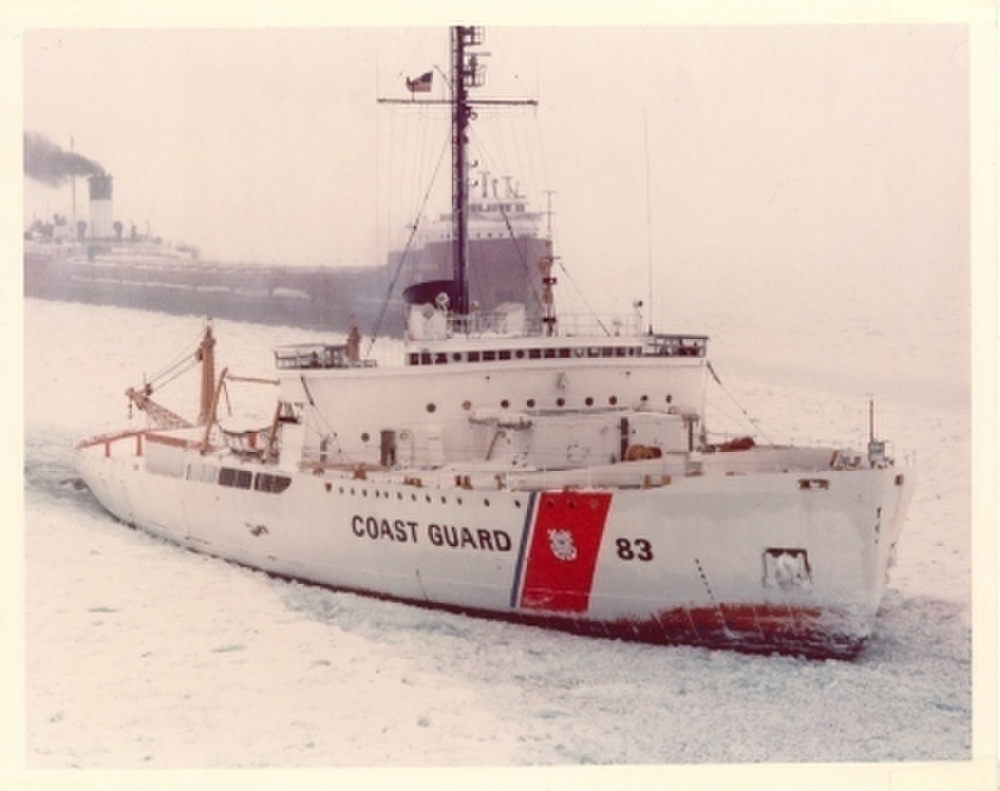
[149,274]
[312,298]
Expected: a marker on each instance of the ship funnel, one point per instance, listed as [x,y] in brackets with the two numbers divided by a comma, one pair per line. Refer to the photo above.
[101,221]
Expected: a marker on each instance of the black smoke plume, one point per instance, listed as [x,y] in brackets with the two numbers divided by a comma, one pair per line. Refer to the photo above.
[46,162]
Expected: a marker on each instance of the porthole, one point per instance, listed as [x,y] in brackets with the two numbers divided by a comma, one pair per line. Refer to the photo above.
[560,401]
[457,356]
[365,436]
[531,403]
[613,400]
[505,403]
[670,398]
[431,407]
[588,401]
[519,354]
[644,398]
[466,405]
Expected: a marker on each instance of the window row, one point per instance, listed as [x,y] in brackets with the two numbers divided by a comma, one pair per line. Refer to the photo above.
[414,497]
[549,353]
[560,402]
[235,478]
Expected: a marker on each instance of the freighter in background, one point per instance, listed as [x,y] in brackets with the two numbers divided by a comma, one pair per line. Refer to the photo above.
[102,262]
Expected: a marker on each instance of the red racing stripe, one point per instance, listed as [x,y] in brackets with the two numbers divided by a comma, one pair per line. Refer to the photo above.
[562,556]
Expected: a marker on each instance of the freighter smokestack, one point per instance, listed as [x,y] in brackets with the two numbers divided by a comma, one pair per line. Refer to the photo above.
[101,216]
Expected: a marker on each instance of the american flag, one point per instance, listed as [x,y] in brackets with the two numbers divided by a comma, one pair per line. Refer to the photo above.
[421,84]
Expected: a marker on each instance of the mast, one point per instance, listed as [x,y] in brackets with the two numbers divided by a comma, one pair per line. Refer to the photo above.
[206,355]
[73,183]
[463,76]
[545,266]
[466,73]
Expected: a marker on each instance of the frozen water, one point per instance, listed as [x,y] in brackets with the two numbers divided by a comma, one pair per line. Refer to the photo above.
[143,655]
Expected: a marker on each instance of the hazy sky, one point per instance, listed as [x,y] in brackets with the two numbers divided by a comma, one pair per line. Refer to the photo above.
[716,156]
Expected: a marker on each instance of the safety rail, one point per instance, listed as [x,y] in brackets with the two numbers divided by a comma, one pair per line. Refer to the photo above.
[514,325]
[663,345]
[317,355]
[109,437]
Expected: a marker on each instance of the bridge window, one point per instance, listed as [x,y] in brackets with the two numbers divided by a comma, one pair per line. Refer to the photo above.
[275,484]
[236,479]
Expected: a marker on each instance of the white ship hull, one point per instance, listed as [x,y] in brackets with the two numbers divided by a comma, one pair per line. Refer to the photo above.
[791,561]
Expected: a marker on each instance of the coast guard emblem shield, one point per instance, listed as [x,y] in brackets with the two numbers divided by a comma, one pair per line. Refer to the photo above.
[561,544]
